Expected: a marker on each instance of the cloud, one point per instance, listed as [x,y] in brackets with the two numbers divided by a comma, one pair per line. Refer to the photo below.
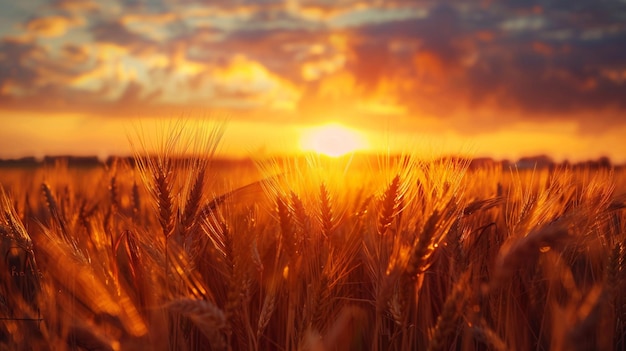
[451,66]
[74,53]
[315,69]
[15,74]
[52,26]
[243,78]
[322,10]
[76,5]
[116,33]
[455,65]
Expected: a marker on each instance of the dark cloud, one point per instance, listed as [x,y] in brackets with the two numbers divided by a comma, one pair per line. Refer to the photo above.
[75,54]
[459,63]
[14,69]
[281,51]
[42,80]
[551,78]
[114,32]
[439,34]
[30,69]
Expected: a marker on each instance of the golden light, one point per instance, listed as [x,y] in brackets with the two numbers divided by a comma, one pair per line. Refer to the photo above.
[332,140]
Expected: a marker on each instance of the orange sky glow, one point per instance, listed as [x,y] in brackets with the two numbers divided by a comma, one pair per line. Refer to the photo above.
[493,79]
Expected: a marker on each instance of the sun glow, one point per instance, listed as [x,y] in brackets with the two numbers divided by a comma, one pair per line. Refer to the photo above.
[332,140]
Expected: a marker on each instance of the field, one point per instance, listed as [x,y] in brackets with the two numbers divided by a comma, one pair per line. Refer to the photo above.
[163,252]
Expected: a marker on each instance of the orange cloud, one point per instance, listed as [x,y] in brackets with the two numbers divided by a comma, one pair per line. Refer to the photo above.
[76,5]
[152,25]
[542,48]
[75,54]
[52,26]
[253,79]
[324,12]
[429,66]
[151,18]
[337,86]
[314,70]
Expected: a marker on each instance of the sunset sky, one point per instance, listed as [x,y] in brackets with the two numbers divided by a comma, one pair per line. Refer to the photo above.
[503,79]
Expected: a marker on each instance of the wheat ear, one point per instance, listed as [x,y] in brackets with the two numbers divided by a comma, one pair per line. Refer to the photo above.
[326,212]
[389,205]
[519,250]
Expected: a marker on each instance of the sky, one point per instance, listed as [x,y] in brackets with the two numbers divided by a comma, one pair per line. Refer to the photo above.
[504,79]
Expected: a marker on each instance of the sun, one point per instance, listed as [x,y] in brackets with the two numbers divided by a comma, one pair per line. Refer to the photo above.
[332,140]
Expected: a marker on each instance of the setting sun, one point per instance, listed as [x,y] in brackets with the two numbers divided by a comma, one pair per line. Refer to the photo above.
[332,140]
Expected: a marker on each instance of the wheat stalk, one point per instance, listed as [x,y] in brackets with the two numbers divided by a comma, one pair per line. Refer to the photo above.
[206,316]
[446,324]
[517,251]
[488,336]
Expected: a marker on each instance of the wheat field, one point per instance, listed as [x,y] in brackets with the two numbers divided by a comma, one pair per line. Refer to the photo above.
[165,252]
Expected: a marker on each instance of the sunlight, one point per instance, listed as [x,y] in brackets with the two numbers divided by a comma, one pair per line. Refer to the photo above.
[332,140]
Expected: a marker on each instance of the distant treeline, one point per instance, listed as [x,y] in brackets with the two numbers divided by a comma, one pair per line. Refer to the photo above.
[93,161]
[539,162]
